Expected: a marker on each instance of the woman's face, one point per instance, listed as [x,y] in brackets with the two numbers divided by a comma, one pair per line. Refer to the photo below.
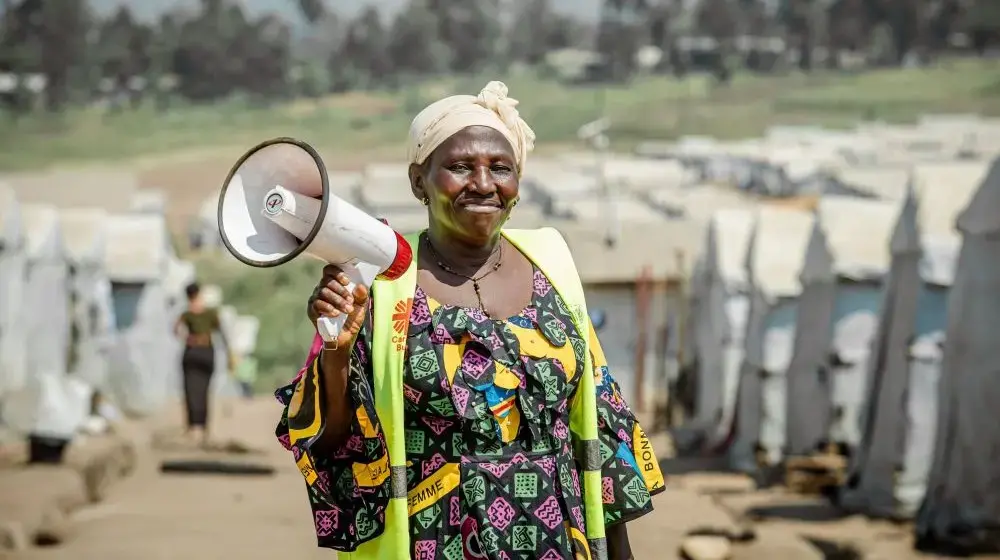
[471,184]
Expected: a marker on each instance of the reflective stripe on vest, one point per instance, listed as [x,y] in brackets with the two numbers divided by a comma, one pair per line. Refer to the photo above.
[393,301]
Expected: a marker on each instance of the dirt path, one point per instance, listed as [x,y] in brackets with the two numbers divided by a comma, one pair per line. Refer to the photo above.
[152,516]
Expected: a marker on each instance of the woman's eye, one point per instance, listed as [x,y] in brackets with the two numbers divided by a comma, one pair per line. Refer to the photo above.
[501,169]
[459,168]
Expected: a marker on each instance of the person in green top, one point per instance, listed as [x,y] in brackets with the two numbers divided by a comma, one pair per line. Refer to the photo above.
[197,325]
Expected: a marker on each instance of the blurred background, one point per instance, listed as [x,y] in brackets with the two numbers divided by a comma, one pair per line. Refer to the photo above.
[766,199]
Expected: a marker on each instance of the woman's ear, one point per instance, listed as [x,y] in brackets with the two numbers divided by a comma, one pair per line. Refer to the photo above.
[416,173]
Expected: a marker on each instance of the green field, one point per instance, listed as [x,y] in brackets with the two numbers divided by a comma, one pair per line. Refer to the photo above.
[647,108]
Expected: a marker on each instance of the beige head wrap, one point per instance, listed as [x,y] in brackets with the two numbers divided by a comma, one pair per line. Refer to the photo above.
[442,119]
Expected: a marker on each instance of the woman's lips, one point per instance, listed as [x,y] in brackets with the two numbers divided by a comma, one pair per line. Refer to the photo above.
[478,208]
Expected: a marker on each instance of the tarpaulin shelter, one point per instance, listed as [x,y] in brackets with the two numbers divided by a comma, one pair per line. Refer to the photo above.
[808,402]
[13,269]
[858,233]
[876,458]
[891,463]
[44,317]
[774,262]
[45,306]
[92,310]
[145,360]
[719,316]
[961,507]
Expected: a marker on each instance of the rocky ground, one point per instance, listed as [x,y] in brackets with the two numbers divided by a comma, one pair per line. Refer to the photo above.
[112,502]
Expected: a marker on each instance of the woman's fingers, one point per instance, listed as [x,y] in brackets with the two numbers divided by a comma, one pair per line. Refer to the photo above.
[332,297]
[342,301]
[324,309]
[360,294]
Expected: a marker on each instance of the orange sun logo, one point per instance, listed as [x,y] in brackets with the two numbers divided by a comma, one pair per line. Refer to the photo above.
[401,315]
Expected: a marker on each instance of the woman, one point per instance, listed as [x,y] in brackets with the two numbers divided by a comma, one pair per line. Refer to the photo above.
[515,441]
[197,324]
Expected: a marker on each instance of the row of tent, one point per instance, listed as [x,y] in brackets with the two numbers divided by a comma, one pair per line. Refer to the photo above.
[860,325]
[88,303]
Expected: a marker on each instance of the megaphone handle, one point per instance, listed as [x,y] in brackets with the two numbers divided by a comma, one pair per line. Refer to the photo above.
[329,328]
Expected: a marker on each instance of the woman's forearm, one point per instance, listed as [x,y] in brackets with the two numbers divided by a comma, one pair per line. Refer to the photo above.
[335,367]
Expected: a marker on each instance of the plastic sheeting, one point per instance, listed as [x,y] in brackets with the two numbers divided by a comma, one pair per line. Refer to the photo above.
[93,317]
[749,395]
[778,341]
[49,405]
[809,403]
[855,320]
[962,497]
[13,336]
[737,313]
[878,455]
[145,359]
[711,326]
[921,424]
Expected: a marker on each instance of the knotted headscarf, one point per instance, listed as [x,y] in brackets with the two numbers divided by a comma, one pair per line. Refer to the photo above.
[442,119]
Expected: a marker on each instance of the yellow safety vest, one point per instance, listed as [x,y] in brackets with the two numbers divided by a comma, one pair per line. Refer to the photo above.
[393,300]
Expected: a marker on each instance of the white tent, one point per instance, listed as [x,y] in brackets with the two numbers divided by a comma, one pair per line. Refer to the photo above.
[13,337]
[719,308]
[45,307]
[876,458]
[44,315]
[145,359]
[808,403]
[858,232]
[85,231]
[889,469]
[962,503]
[774,263]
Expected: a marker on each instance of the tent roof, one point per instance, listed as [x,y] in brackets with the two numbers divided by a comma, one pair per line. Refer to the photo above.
[733,228]
[778,253]
[858,232]
[982,214]
[85,232]
[137,248]
[597,263]
[944,190]
[41,231]
[10,217]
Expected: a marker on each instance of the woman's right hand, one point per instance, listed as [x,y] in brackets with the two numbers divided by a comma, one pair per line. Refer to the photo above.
[331,298]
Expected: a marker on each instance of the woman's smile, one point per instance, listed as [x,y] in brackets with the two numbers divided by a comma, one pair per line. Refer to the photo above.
[480,207]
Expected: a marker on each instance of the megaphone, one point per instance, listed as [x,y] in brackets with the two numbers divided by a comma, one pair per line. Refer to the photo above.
[276,204]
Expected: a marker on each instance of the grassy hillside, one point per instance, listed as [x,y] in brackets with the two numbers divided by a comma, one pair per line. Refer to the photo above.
[653,107]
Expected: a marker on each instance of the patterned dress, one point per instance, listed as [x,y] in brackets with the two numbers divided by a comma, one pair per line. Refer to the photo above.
[491,467]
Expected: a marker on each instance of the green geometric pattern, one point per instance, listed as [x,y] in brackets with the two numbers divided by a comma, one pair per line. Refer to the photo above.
[515,499]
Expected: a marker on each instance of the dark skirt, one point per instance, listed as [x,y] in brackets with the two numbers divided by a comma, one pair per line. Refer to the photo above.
[198,364]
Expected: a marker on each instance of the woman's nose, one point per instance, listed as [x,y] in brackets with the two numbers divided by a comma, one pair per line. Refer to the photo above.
[482,180]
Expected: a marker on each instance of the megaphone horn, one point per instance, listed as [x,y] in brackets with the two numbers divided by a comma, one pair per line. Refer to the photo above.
[276,204]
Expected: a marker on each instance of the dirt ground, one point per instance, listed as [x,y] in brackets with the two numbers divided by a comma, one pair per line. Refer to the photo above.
[152,516]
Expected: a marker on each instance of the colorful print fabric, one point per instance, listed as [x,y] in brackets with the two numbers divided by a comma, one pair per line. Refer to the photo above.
[491,467]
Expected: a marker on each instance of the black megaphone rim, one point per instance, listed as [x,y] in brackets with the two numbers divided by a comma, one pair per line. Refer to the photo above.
[324,202]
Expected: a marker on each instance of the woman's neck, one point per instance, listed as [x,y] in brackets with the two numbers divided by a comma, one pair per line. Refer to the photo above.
[459,253]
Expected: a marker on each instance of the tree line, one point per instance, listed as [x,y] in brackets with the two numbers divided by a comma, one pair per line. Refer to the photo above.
[216,50]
